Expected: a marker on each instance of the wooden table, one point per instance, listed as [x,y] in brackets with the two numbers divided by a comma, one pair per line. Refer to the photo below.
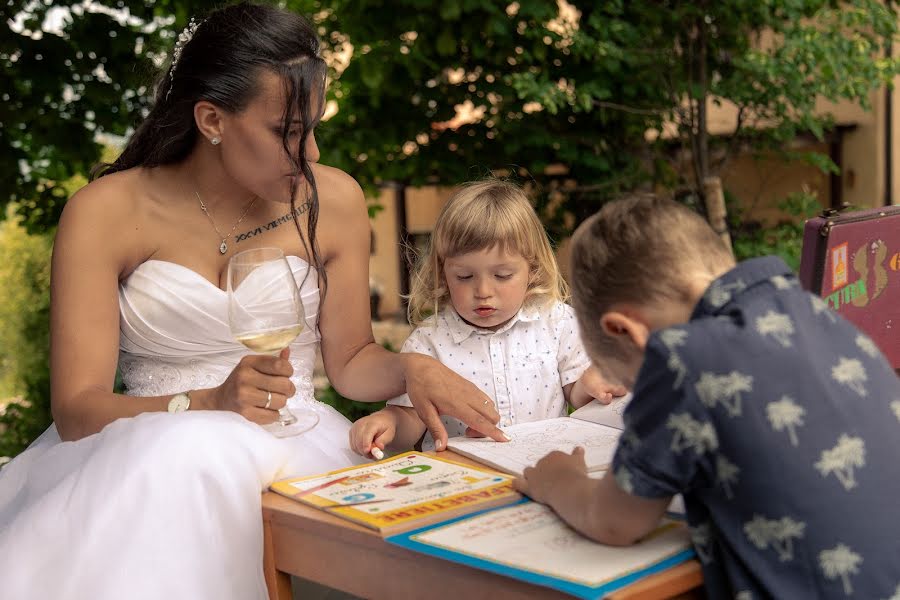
[309,543]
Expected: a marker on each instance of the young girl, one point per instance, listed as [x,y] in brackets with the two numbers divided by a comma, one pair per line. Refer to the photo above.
[495,297]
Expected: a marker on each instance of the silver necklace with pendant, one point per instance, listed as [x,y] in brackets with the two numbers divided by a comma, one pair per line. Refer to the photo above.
[223,247]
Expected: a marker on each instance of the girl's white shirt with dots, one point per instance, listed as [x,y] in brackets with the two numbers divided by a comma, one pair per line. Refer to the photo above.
[522,366]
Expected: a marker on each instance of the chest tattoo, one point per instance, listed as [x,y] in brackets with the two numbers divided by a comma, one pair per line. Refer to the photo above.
[286,218]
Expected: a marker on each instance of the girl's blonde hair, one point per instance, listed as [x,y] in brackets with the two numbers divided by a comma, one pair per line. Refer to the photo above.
[478,217]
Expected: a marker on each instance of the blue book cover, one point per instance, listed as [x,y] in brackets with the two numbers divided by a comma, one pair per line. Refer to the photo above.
[527,541]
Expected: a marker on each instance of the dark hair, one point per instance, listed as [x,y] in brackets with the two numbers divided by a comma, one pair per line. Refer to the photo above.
[640,249]
[221,63]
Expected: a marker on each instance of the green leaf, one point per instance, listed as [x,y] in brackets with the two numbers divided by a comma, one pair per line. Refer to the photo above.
[446,43]
[450,10]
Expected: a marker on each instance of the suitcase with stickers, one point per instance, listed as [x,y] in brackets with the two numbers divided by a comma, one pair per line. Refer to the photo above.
[852,260]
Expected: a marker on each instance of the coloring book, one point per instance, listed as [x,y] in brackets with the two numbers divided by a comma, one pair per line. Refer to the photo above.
[529,442]
[528,541]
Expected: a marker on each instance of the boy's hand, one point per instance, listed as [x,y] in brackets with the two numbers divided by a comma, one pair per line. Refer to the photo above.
[550,476]
[374,431]
[593,384]
[598,508]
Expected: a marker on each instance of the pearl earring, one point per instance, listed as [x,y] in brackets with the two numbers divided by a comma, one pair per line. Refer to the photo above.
[215,141]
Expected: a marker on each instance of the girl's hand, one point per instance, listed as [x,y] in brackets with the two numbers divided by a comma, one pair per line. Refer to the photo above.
[247,389]
[374,431]
[593,385]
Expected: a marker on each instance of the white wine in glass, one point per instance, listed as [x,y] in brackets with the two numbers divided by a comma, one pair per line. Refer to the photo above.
[270,342]
[266,314]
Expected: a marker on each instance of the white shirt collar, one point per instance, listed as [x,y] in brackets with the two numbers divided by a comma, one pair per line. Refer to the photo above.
[461,330]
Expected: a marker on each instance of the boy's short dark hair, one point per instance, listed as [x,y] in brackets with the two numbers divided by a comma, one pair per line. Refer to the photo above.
[640,249]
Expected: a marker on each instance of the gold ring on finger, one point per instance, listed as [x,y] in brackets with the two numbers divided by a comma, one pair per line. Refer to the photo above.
[268,400]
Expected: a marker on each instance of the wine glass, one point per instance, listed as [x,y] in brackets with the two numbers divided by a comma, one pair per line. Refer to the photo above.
[265,314]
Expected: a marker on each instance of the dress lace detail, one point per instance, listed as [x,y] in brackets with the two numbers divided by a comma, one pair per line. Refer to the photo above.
[146,376]
[152,376]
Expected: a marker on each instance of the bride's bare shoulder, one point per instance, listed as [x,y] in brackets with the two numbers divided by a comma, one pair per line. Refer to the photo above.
[343,217]
[112,198]
[108,218]
[340,197]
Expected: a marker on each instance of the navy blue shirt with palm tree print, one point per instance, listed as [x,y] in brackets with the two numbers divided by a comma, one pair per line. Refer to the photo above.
[779,422]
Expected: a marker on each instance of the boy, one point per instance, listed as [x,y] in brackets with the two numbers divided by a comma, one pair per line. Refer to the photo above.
[776,419]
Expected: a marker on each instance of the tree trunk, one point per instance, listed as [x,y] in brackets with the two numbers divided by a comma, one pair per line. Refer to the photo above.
[716,214]
[702,157]
[710,186]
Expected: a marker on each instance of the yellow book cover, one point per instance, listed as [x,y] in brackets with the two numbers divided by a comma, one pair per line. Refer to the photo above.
[403,492]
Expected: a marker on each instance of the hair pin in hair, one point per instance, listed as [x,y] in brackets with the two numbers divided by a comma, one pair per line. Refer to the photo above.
[183,38]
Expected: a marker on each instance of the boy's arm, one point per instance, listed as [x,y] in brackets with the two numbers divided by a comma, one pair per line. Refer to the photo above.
[597,508]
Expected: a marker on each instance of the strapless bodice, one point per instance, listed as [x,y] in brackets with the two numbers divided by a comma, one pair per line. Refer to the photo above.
[175,334]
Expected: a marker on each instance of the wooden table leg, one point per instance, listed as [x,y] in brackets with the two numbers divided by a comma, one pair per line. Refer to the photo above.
[685,576]
[279,583]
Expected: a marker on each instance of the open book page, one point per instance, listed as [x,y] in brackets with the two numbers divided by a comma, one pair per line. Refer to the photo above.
[407,490]
[529,538]
[604,414]
[532,441]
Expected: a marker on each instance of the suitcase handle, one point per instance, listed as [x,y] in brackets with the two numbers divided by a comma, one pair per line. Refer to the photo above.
[832,212]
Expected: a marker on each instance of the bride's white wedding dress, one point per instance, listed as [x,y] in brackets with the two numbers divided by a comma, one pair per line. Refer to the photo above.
[162,505]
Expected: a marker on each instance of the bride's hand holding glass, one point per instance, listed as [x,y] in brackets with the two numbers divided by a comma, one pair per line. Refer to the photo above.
[257,387]
[265,313]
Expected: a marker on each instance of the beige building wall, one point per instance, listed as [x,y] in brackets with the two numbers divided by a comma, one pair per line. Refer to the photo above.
[761,184]
[895,135]
[422,208]
[384,262]
[863,156]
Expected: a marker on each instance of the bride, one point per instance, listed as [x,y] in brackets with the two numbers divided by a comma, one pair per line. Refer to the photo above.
[156,493]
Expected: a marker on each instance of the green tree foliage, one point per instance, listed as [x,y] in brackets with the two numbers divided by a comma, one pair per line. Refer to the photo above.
[572,84]
[771,61]
[784,238]
[414,62]
[24,334]
[68,71]
[580,83]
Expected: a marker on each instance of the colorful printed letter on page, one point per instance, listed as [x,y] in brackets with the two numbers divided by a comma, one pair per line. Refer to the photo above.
[532,441]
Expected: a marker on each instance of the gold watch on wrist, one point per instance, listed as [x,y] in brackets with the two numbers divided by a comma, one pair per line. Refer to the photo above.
[180,402]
